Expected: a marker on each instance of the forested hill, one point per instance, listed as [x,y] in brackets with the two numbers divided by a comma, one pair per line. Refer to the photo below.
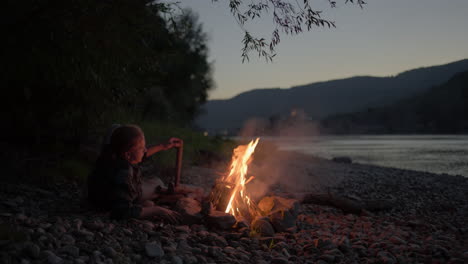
[323,99]
[442,109]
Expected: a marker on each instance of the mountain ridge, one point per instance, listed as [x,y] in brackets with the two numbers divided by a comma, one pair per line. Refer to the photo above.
[441,109]
[322,99]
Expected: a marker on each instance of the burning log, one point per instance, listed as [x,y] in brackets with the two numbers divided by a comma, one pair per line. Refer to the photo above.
[220,195]
[223,193]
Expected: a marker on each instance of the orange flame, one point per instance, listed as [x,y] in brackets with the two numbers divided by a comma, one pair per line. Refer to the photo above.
[240,200]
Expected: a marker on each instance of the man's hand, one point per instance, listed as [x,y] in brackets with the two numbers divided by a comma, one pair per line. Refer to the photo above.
[167,215]
[174,143]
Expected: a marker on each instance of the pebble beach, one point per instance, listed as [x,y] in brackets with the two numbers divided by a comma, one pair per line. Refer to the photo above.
[428,222]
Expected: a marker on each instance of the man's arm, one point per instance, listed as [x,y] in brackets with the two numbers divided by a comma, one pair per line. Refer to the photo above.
[172,143]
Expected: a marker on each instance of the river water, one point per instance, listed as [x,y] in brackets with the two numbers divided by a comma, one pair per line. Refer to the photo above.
[431,153]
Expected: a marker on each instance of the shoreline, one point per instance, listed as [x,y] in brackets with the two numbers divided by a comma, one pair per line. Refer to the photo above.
[421,154]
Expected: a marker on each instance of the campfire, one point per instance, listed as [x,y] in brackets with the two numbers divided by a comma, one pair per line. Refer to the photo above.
[230,196]
[229,193]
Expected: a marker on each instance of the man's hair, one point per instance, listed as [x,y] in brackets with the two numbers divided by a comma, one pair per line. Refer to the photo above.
[124,138]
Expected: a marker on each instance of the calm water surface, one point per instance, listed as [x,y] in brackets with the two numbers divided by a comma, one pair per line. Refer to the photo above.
[432,153]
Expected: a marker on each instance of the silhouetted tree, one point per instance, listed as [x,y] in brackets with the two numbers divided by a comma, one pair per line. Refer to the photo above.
[69,66]
[289,17]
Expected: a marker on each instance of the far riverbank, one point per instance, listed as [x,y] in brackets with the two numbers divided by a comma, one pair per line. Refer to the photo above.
[431,153]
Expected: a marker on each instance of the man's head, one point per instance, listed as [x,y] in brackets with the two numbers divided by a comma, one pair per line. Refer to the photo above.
[128,142]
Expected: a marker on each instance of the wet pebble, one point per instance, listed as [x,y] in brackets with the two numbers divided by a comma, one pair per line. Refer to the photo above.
[154,249]
[386,257]
[110,252]
[279,261]
[32,250]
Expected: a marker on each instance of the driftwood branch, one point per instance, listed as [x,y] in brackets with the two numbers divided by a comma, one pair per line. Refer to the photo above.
[346,204]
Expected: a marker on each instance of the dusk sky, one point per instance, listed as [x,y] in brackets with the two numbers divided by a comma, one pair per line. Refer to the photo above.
[382,39]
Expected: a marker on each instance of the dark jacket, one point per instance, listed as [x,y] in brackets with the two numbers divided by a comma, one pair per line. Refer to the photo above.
[115,185]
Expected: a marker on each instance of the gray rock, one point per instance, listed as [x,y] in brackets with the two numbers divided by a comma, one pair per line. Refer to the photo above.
[279,261]
[215,252]
[170,249]
[397,240]
[84,233]
[21,217]
[336,253]
[59,229]
[97,256]
[360,250]
[68,240]
[147,225]
[320,261]
[190,259]
[77,223]
[262,228]
[345,245]
[327,258]
[19,200]
[110,252]
[45,225]
[70,250]
[127,232]
[182,228]
[183,245]
[108,228]
[282,220]
[326,244]
[439,251]
[51,258]
[196,250]
[230,250]
[137,257]
[176,260]
[94,225]
[10,203]
[218,240]
[386,258]
[32,250]
[154,249]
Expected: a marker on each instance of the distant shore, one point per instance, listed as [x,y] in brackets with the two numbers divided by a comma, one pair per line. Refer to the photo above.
[432,153]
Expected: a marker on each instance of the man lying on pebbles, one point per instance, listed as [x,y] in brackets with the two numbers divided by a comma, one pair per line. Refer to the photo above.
[115,184]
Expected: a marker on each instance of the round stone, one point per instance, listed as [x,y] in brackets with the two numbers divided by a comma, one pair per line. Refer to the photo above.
[154,249]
